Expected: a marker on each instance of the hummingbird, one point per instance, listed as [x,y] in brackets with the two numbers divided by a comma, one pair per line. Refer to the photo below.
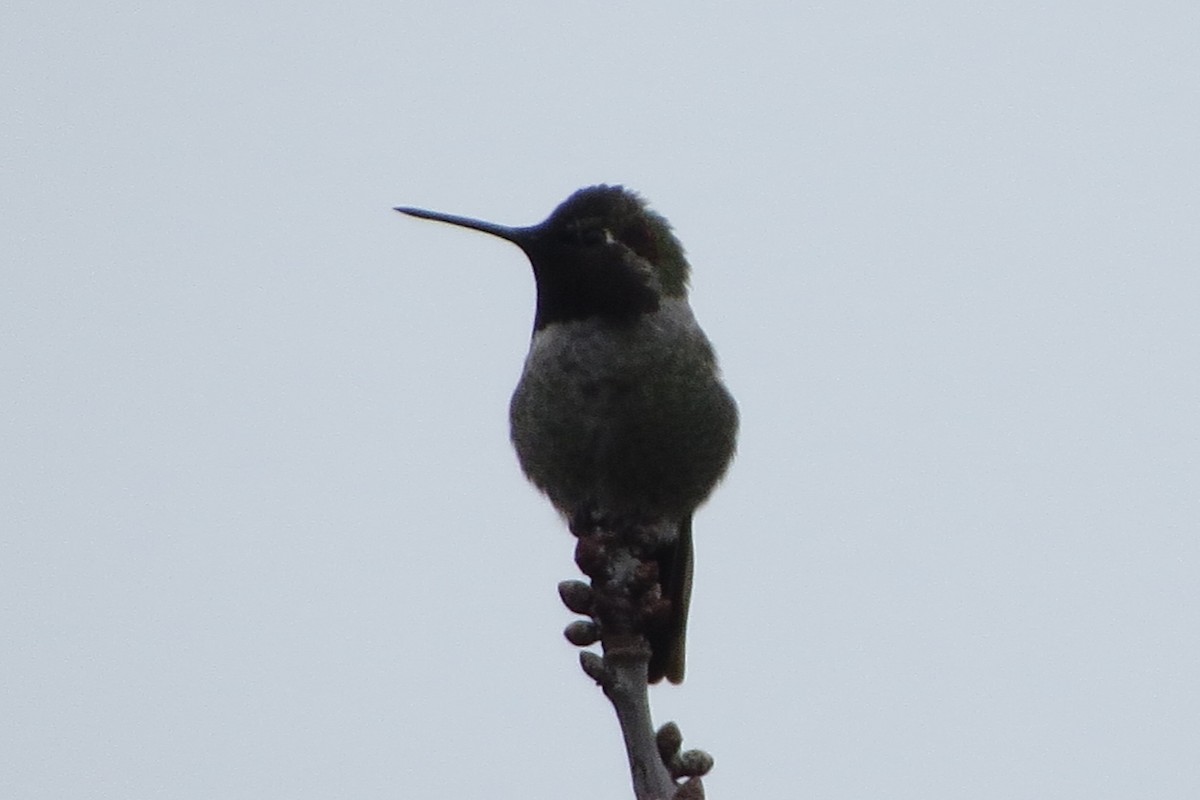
[620,409]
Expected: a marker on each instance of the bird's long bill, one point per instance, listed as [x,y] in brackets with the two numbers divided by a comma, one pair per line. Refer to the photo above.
[517,236]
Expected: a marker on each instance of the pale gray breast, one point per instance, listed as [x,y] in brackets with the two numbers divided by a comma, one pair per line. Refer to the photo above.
[629,417]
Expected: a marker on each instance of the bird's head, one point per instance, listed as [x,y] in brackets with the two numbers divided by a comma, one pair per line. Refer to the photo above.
[601,253]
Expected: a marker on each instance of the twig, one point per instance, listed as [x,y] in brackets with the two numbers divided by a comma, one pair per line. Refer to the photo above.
[624,602]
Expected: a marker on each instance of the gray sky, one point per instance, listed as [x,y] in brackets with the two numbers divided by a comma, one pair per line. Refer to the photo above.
[261,531]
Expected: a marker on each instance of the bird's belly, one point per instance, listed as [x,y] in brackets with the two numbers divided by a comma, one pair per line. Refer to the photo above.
[626,429]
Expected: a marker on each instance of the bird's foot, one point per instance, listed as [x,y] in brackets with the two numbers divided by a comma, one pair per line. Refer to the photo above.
[625,596]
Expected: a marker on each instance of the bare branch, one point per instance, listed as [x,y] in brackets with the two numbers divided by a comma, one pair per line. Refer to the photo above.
[625,602]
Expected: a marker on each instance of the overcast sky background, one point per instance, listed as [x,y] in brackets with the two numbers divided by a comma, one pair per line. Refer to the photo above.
[261,531]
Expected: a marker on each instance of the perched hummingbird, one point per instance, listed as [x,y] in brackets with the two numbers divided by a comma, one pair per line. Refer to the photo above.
[620,410]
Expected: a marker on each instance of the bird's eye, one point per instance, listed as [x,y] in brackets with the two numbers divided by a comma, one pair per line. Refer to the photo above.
[594,236]
[586,233]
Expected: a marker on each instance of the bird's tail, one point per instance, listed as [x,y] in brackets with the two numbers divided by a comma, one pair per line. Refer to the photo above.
[667,646]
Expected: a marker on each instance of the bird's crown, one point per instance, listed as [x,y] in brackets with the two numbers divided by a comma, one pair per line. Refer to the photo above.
[608,216]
